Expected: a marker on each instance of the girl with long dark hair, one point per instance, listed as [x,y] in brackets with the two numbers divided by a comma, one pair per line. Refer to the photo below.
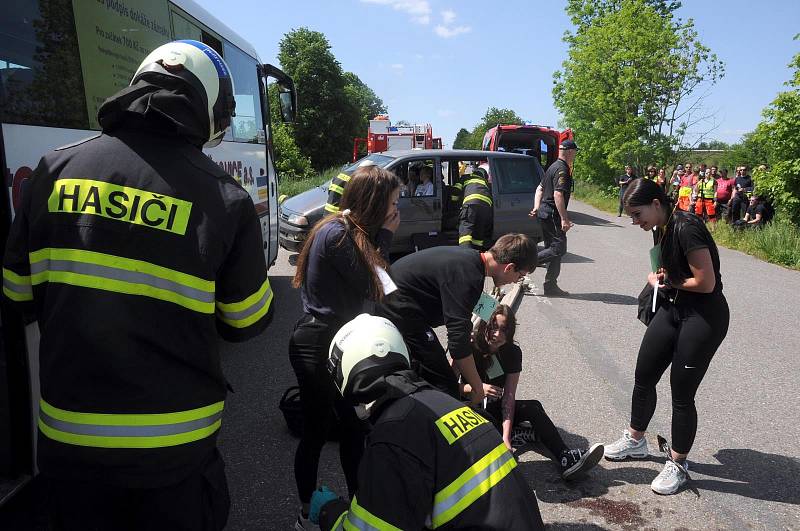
[499,363]
[684,333]
[337,272]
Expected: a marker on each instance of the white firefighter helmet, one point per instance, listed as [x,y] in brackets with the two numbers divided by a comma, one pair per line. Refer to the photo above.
[204,70]
[364,350]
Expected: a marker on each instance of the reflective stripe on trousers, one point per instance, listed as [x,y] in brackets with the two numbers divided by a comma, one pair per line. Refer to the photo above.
[110,430]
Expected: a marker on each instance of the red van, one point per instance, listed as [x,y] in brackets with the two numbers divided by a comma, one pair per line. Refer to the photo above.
[540,141]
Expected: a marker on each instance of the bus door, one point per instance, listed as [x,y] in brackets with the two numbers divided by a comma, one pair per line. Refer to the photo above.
[287,104]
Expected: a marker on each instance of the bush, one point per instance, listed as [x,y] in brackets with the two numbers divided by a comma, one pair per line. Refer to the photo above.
[290,187]
[777,242]
[290,163]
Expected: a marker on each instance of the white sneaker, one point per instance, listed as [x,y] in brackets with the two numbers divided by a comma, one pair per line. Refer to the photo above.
[626,447]
[304,524]
[670,480]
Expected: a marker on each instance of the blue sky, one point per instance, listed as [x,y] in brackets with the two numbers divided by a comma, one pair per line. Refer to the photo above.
[446,61]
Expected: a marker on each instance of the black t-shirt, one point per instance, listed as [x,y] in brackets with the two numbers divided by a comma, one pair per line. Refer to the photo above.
[557,178]
[686,233]
[493,371]
[745,182]
[435,287]
[755,210]
[624,180]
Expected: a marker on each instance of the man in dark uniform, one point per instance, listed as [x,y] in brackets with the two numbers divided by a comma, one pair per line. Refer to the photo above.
[550,206]
[476,221]
[135,251]
[431,462]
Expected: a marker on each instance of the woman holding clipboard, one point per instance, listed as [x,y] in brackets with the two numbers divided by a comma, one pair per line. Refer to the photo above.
[684,333]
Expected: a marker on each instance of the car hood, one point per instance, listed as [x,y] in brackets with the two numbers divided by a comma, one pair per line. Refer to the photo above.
[308,202]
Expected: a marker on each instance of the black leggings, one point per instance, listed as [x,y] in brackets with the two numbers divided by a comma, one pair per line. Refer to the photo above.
[685,335]
[308,353]
[533,412]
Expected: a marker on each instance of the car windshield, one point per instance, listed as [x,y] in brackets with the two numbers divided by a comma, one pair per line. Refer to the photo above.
[376,158]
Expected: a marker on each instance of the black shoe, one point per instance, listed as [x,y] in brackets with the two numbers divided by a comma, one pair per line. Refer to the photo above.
[577,462]
[552,290]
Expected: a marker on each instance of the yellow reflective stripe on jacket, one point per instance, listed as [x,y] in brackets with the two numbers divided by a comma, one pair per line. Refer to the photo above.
[90,269]
[338,525]
[333,209]
[109,430]
[481,182]
[248,311]
[465,239]
[476,481]
[343,177]
[336,188]
[361,519]
[481,197]
[17,287]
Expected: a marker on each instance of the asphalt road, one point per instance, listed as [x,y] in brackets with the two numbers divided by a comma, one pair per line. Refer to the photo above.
[579,359]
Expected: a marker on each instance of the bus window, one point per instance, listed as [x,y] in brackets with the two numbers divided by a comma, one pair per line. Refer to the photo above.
[40,69]
[249,119]
[183,28]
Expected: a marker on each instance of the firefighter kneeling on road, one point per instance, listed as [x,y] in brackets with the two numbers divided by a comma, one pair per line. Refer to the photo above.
[476,221]
[134,251]
[430,461]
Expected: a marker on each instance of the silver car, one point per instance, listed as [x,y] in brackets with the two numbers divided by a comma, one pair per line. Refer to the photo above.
[428,217]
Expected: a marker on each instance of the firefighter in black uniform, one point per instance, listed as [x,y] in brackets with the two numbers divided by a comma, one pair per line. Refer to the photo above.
[337,186]
[430,461]
[134,251]
[476,221]
[550,206]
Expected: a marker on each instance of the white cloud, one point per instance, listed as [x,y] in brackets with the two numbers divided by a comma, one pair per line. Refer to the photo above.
[446,29]
[419,10]
[446,33]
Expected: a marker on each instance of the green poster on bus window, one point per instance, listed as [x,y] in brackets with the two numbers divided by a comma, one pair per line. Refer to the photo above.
[113,37]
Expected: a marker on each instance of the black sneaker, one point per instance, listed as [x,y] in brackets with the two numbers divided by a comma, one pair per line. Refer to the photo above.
[552,290]
[577,462]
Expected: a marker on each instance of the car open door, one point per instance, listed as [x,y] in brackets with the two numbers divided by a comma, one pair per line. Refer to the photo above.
[420,205]
[514,182]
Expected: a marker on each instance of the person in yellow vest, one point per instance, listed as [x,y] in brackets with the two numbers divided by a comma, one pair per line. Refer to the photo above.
[686,188]
[706,190]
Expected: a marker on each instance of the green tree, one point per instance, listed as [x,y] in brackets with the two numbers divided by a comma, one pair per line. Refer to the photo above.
[462,137]
[493,117]
[627,87]
[366,101]
[749,151]
[778,132]
[327,117]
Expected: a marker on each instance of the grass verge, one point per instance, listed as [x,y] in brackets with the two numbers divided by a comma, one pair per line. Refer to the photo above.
[777,243]
[294,186]
[597,197]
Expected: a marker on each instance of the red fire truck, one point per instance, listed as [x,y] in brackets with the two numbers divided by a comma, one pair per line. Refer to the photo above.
[383,136]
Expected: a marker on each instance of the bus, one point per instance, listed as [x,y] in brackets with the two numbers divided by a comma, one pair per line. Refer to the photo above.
[59,60]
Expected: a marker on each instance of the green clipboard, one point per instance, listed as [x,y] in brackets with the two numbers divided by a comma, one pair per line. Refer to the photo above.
[655,257]
[485,307]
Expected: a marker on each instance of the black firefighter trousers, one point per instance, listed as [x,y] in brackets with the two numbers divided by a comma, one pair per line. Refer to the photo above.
[199,502]
[555,246]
